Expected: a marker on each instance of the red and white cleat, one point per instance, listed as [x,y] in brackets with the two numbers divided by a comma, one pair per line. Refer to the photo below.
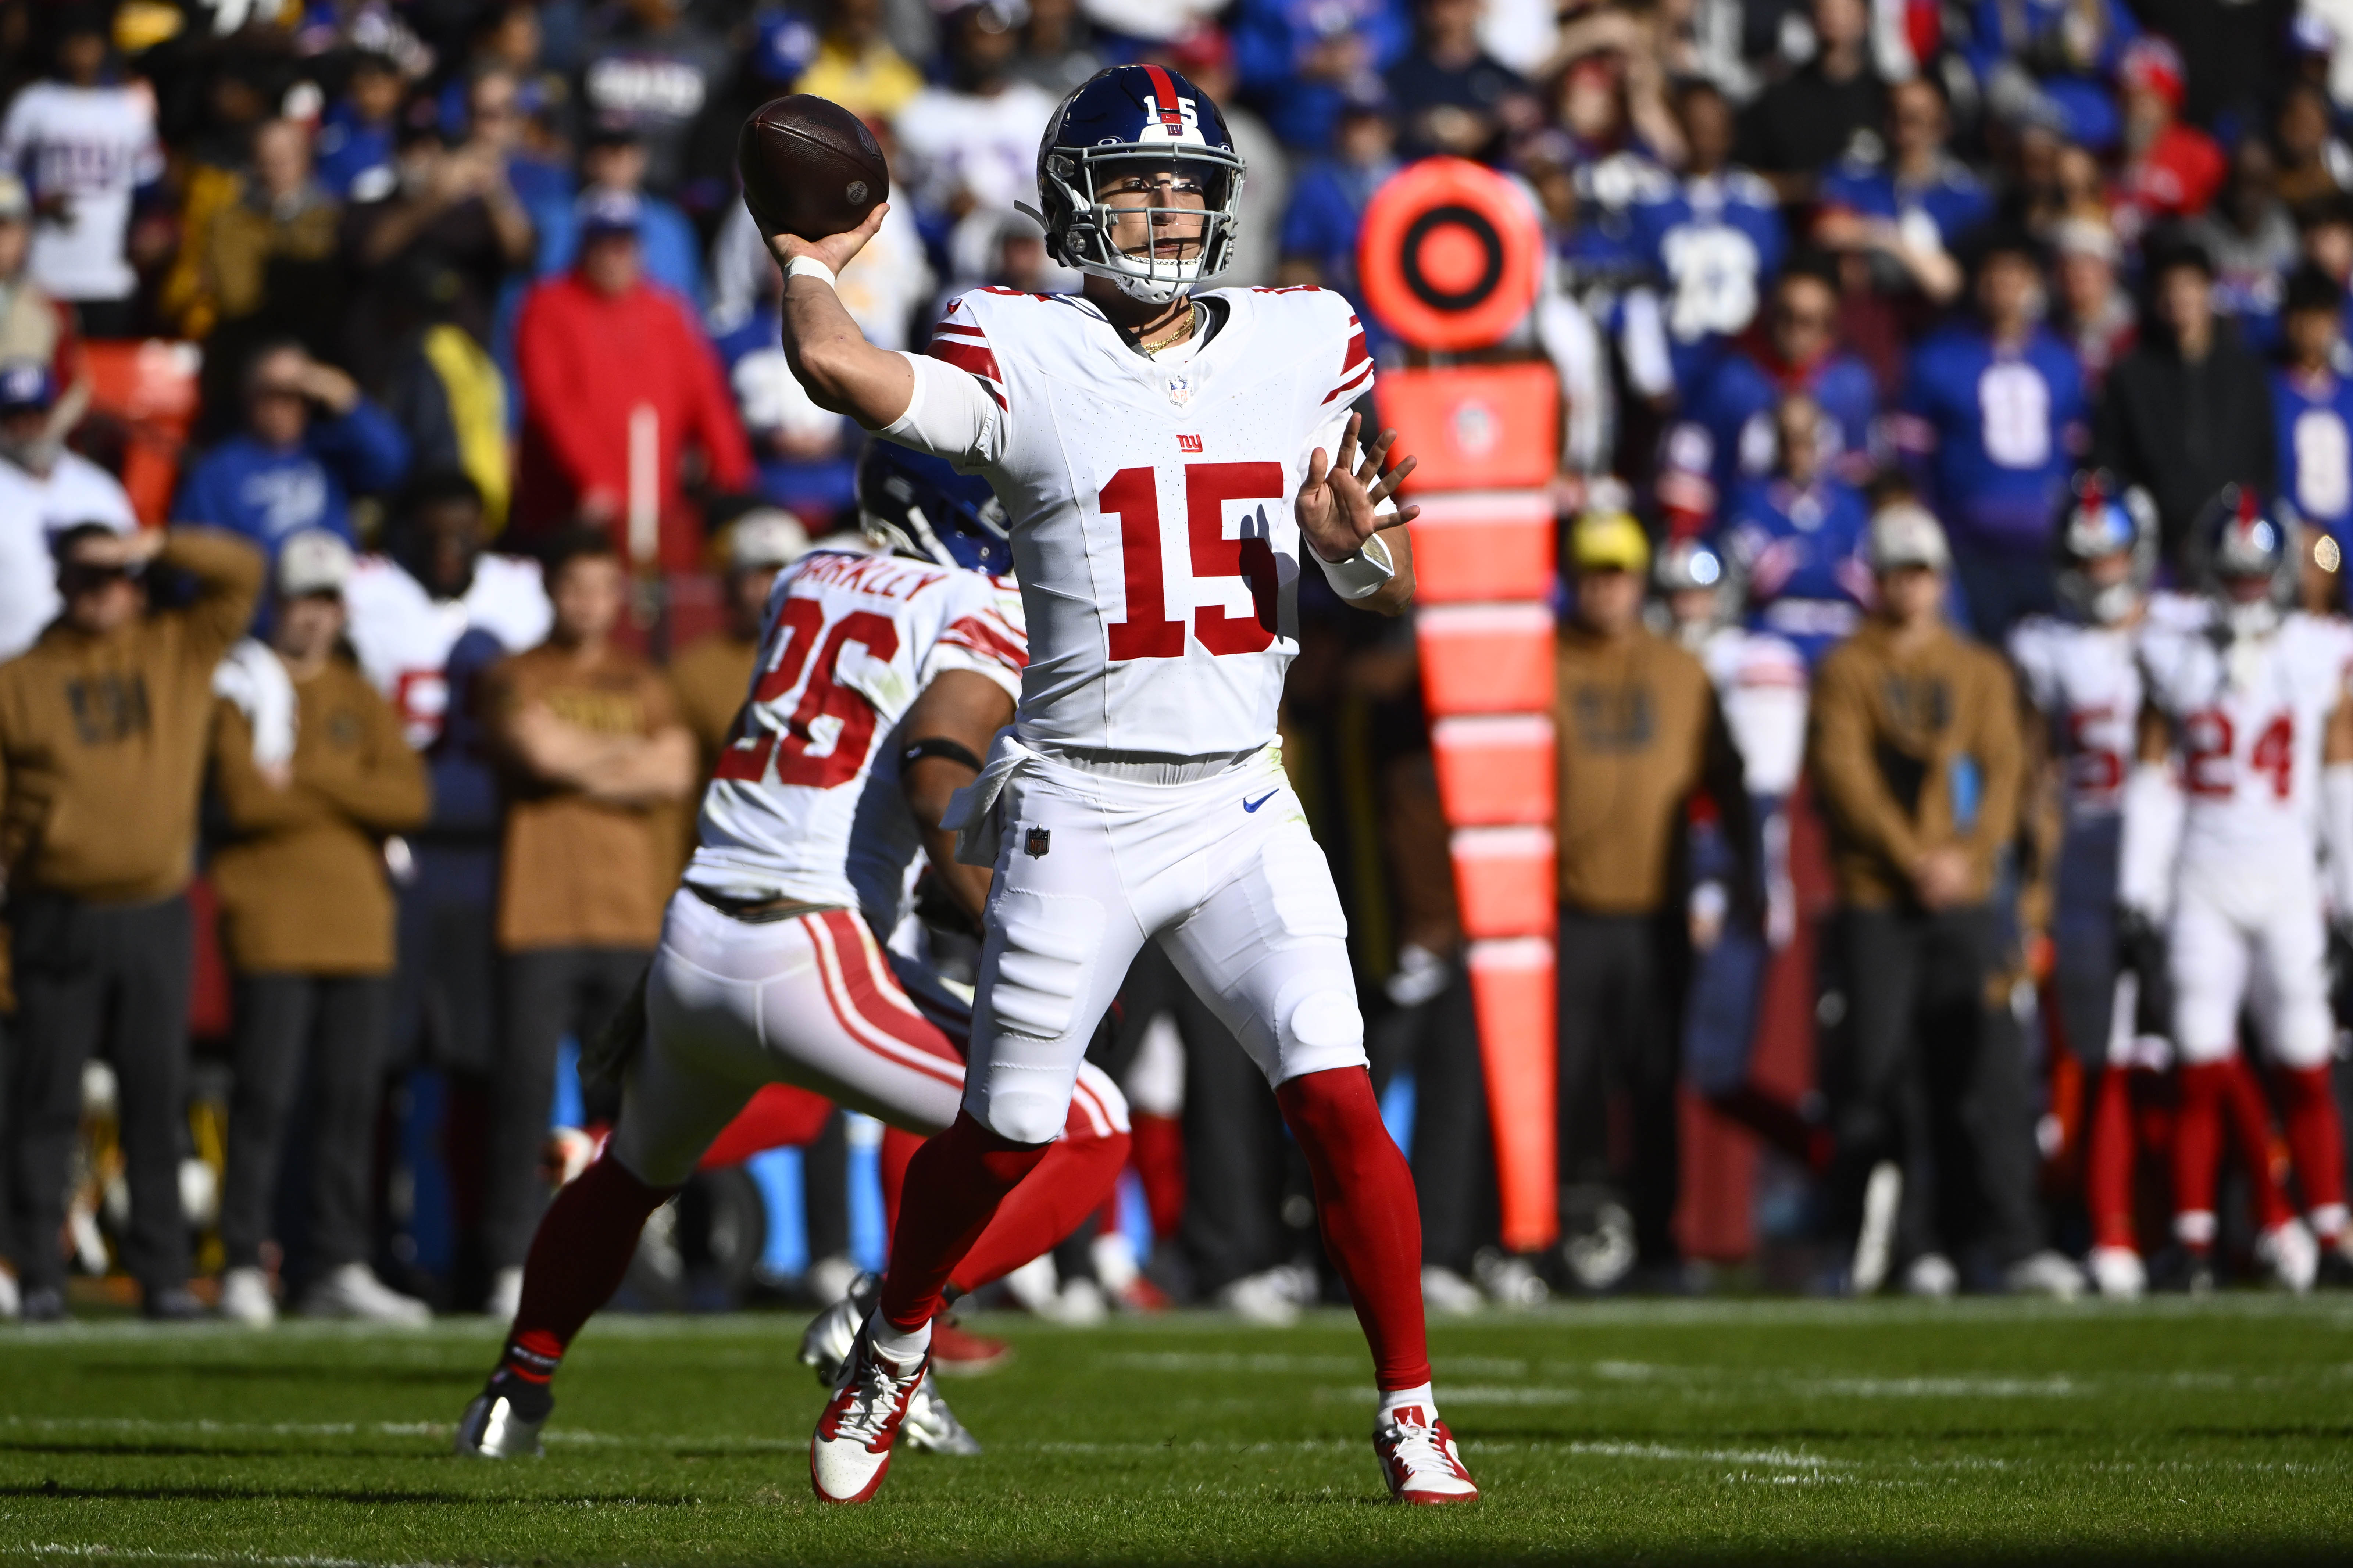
[1419,1457]
[850,1452]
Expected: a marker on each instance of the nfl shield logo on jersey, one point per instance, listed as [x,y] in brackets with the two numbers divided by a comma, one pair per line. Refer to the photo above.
[1039,840]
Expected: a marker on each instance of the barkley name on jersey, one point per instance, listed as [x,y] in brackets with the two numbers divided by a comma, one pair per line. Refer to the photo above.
[1150,501]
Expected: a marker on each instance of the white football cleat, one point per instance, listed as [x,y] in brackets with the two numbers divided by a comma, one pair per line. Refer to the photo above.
[353,1292]
[2117,1273]
[1448,1294]
[2045,1273]
[828,1279]
[496,1427]
[245,1299]
[2289,1256]
[1419,1460]
[832,1335]
[932,1428]
[1271,1297]
[1932,1275]
[849,1453]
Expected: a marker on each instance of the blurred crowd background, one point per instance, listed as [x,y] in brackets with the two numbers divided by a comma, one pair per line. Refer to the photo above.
[451,311]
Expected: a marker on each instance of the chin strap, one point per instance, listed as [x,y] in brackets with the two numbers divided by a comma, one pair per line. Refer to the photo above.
[2153,811]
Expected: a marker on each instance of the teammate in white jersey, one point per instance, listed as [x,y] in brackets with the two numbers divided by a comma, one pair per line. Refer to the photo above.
[880,677]
[1170,461]
[2246,749]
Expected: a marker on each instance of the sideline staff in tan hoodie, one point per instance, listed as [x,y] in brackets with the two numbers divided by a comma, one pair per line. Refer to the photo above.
[103,730]
[1918,761]
[311,772]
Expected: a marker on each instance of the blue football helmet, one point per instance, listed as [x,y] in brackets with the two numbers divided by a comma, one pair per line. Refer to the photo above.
[2102,519]
[2242,542]
[1134,121]
[913,503]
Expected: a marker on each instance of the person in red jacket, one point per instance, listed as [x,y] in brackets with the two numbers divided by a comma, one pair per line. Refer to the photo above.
[2170,170]
[621,390]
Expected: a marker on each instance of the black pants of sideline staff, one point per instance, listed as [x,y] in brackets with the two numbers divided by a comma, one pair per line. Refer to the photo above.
[544,995]
[107,980]
[336,1025]
[1622,981]
[1933,1077]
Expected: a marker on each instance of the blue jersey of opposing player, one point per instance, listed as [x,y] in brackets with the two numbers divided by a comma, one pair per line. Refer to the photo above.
[2312,420]
[1953,199]
[1716,241]
[1800,544]
[1995,430]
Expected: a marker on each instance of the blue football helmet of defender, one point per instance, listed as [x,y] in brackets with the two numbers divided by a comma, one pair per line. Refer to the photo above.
[913,503]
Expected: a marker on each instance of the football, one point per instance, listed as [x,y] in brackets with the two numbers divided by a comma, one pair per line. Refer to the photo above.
[811,167]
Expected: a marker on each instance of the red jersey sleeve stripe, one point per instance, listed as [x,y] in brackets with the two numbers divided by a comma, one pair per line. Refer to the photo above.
[1352,383]
[1357,352]
[988,634]
[977,358]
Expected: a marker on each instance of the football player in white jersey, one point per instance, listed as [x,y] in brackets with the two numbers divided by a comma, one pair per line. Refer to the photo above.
[2246,748]
[1760,683]
[1171,460]
[885,668]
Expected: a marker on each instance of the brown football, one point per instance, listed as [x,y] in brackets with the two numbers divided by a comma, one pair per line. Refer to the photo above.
[811,167]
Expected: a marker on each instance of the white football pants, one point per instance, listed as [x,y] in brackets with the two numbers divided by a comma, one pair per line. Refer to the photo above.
[1221,870]
[733,1005]
[2251,936]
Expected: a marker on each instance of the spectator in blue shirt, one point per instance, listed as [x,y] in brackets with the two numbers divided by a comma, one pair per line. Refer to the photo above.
[1715,234]
[2050,61]
[353,155]
[1797,533]
[1302,59]
[310,443]
[1452,96]
[2312,405]
[1919,181]
[1729,434]
[1994,418]
[1327,202]
[614,161]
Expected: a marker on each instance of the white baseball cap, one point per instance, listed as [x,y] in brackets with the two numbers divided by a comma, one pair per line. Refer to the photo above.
[769,536]
[312,561]
[1904,534]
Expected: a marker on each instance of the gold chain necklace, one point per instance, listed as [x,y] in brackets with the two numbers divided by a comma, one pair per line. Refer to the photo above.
[1184,330]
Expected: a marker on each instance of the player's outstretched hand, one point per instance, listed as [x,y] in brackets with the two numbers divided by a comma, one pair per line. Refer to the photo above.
[1337,503]
[835,249]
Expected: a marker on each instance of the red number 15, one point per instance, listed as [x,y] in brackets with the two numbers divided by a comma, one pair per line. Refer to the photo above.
[1149,632]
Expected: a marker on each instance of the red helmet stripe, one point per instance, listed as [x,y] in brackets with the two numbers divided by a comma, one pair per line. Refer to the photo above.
[1165,91]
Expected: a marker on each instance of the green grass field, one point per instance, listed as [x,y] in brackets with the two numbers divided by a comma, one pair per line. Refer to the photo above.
[1659,1431]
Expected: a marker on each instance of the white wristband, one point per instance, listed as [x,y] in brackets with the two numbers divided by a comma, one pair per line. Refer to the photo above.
[1362,575]
[809,267]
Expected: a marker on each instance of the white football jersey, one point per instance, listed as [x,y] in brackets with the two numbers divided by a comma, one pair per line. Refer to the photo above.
[2086,682]
[804,800]
[2251,713]
[404,637]
[1760,683]
[1150,504]
[95,146]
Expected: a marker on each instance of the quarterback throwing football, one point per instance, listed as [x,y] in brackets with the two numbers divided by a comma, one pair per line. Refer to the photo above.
[1169,462]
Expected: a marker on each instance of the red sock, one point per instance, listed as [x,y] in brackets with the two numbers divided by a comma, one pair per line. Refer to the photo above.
[2251,1128]
[954,1184]
[1159,1152]
[1370,1218]
[899,1146]
[578,1255]
[2197,1144]
[2110,1156]
[2316,1136]
[1065,1190]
